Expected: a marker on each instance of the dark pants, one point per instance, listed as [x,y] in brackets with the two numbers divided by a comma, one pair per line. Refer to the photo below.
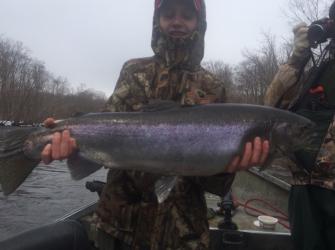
[312,218]
[108,242]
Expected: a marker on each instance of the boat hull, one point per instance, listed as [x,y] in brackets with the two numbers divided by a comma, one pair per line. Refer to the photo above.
[248,185]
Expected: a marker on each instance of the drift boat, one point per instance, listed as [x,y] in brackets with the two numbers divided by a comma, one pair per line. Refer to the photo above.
[230,228]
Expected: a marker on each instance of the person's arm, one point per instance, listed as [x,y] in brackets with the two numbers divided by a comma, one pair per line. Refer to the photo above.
[284,86]
[301,53]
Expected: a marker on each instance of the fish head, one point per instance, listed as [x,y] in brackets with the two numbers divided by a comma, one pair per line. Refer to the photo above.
[293,136]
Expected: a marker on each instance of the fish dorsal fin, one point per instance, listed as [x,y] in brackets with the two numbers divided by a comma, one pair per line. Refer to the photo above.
[160,105]
[163,187]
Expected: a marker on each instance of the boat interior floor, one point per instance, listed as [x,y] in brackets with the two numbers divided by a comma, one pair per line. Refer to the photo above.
[64,235]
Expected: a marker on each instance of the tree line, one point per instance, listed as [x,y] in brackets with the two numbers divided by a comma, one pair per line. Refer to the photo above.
[247,81]
[29,93]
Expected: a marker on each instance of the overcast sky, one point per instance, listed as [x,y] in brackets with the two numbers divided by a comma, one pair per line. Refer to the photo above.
[87,41]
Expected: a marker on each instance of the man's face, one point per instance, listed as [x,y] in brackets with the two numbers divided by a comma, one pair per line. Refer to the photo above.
[178,19]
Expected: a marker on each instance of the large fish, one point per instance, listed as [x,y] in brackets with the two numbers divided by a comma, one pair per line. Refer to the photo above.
[171,141]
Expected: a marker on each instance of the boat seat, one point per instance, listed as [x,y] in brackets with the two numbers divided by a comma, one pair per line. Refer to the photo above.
[65,235]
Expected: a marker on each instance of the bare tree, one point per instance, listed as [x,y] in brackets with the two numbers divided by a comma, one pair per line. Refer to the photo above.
[223,72]
[306,11]
[30,93]
[256,71]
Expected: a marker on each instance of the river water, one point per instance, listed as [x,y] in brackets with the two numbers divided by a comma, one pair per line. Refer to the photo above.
[46,195]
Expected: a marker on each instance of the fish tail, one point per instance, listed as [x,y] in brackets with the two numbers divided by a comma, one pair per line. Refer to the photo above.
[14,165]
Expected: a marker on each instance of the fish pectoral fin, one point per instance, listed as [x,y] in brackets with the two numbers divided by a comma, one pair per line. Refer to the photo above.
[163,187]
[81,167]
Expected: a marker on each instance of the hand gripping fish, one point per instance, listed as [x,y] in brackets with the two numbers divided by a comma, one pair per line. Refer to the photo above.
[170,141]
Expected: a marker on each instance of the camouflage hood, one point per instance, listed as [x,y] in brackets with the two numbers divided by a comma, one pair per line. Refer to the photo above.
[182,53]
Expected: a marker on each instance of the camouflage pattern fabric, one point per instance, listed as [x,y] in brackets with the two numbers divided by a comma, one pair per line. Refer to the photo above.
[283,92]
[284,88]
[324,173]
[128,209]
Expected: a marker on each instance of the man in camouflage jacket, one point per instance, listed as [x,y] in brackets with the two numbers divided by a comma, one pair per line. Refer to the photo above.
[312,197]
[128,214]
[127,209]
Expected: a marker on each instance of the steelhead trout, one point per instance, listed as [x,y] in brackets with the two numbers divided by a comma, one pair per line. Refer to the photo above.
[173,141]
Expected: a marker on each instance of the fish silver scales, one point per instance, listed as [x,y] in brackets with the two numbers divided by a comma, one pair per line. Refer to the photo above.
[188,141]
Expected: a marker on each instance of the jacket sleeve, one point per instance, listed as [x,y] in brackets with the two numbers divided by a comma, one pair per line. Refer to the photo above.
[285,86]
[220,91]
[121,100]
[214,87]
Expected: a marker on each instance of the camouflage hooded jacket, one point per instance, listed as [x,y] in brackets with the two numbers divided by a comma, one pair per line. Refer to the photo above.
[128,209]
[284,92]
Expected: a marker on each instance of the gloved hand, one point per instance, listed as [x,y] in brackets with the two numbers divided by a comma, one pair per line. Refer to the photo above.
[301,42]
